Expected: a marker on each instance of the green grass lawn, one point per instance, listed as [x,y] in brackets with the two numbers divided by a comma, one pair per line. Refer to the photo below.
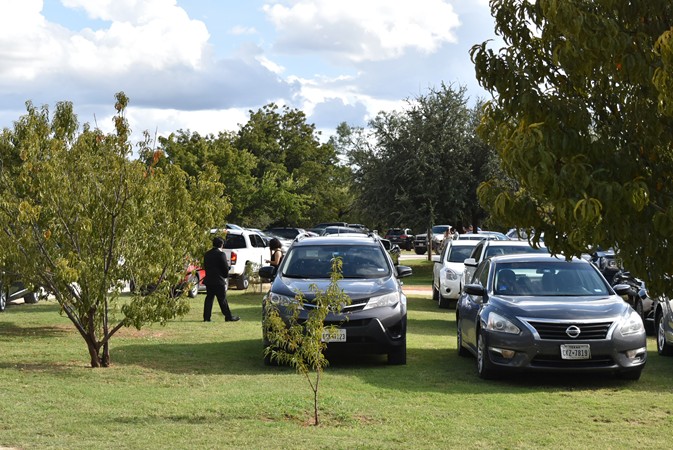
[204,385]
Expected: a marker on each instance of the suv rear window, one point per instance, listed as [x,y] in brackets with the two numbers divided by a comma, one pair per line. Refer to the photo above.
[234,241]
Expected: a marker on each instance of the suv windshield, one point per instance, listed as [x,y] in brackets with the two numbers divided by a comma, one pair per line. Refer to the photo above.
[315,261]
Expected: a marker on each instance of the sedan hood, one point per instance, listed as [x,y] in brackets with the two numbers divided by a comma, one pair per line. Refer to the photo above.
[356,289]
[562,308]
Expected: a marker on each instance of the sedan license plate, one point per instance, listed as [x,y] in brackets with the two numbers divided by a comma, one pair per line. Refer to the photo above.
[335,335]
[575,351]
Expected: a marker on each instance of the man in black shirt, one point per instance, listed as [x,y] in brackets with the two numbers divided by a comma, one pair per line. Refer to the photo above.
[217,271]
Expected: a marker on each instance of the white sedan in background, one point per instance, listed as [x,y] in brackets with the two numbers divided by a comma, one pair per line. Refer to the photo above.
[447,272]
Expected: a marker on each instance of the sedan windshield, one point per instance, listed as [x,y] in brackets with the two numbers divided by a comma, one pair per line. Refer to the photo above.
[548,279]
[316,261]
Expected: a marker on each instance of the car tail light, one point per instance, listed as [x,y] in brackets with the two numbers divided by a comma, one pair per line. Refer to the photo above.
[233,257]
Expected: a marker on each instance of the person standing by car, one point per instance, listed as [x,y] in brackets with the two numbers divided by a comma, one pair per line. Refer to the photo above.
[217,270]
[276,252]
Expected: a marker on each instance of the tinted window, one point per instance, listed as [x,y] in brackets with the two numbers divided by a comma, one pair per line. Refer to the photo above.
[234,241]
[549,279]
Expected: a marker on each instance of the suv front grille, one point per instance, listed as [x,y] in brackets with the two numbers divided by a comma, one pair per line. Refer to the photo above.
[557,330]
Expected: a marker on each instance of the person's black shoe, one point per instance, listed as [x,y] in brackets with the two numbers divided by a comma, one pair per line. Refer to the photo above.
[232,319]
[206,320]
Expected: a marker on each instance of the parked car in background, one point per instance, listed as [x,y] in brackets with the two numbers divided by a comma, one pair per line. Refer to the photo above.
[244,248]
[341,230]
[484,235]
[488,248]
[286,232]
[540,313]
[401,236]
[447,272]
[437,237]
[15,290]
[376,319]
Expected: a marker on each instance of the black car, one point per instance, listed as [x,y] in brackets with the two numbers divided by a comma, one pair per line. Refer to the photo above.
[401,236]
[11,291]
[376,319]
[540,313]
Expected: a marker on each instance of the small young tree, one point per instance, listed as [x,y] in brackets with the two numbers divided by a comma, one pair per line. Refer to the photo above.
[78,217]
[302,345]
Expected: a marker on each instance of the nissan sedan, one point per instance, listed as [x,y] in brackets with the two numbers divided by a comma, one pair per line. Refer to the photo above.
[540,313]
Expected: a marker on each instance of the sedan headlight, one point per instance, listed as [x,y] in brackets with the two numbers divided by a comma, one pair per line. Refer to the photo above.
[633,324]
[496,322]
[391,299]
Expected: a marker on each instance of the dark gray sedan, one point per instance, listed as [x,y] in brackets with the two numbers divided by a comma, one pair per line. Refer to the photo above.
[540,313]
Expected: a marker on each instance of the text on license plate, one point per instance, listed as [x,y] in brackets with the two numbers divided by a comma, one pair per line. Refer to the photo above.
[335,335]
[575,351]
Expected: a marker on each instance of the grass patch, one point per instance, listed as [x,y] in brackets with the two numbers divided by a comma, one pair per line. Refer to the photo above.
[203,385]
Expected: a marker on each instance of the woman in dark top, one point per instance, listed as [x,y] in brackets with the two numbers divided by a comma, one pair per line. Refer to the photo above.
[276,252]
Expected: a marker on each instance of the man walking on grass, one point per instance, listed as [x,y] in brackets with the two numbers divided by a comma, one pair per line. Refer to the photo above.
[217,271]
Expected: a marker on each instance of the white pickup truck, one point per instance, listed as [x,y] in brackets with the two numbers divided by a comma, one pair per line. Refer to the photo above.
[244,247]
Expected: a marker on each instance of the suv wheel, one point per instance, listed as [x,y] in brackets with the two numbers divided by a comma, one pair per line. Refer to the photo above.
[31,298]
[242,282]
[419,251]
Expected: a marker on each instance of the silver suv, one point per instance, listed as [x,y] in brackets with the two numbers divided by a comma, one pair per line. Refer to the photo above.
[376,320]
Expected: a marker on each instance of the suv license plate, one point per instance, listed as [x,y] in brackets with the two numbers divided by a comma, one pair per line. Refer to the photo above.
[575,351]
[336,335]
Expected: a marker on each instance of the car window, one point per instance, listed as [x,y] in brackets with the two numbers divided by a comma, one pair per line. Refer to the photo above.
[256,241]
[234,241]
[549,279]
[494,250]
[476,253]
[316,261]
[458,254]
[481,275]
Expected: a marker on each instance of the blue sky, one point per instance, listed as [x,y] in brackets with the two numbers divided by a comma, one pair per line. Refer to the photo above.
[202,65]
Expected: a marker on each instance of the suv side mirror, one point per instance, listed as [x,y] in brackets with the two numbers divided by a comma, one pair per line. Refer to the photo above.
[471,262]
[403,271]
[268,272]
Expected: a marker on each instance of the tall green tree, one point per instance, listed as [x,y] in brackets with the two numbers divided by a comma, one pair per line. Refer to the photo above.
[581,117]
[78,217]
[302,179]
[418,167]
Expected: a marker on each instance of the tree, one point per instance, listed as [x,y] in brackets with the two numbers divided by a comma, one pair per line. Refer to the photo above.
[77,217]
[301,345]
[581,118]
[301,179]
[419,166]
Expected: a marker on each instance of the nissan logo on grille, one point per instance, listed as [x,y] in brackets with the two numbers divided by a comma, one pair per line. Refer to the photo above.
[573,331]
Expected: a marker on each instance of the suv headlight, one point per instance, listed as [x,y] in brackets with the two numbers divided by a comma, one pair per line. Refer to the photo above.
[631,325]
[451,275]
[283,300]
[391,299]
[496,322]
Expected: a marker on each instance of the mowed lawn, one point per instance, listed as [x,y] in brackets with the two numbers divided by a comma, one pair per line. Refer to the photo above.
[204,385]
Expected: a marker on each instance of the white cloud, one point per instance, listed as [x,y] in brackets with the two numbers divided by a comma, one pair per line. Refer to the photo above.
[357,31]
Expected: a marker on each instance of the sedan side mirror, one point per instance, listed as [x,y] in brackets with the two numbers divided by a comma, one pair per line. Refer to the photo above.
[475,289]
[622,289]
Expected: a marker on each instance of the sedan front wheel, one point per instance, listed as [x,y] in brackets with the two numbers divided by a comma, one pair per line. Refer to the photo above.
[484,365]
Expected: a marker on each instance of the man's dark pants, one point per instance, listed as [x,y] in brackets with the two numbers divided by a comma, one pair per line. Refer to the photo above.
[220,292]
